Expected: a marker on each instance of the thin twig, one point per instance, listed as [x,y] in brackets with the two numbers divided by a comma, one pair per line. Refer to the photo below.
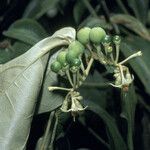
[47,134]
[121,5]
[90,8]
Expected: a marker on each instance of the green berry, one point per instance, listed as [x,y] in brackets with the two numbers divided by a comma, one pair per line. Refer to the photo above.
[109,49]
[71,55]
[77,47]
[83,35]
[76,62]
[62,57]
[106,40]
[56,66]
[97,34]
[117,39]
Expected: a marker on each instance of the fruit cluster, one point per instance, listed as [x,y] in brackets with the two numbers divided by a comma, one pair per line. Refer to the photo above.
[75,61]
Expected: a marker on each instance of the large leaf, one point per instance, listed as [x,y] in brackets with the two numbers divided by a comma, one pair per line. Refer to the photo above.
[78,11]
[140,8]
[140,65]
[26,30]
[20,82]
[49,100]
[131,23]
[129,102]
[93,83]
[117,140]
[38,8]
[94,22]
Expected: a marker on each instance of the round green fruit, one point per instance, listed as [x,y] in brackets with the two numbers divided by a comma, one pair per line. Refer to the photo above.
[71,55]
[83,35]
[77,47]
[56,66]
[109,49]
[106,40]
[117,39]
[76,62]
[62,57]
[97,34]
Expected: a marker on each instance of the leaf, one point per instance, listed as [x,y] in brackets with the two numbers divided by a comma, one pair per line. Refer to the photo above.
[118,142]
[140,8]
[141,64]
[132,24]
[13,51]
[129,102]
[93,22]
[26,30]
[93,94]
[49,100]
[37,8]
[78,11]
[20,83]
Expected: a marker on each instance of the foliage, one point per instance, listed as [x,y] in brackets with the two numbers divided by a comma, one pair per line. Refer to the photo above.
[27,50]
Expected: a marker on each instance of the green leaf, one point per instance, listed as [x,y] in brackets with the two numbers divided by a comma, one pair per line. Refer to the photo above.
[49,100]
[132,24]
[93,83]
[26,30]
[94,22]
[20,83]
[37,8]
[140,8]
[141,64]
[129,102]
[78,11]
[118,142]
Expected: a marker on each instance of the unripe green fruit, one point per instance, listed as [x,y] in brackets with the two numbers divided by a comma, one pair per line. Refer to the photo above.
[76,62]
[97,34]
[106,40]
[71,55]
[83,35]
[56,66]
[77,47]
[62,57]
[109,49]
[117,39]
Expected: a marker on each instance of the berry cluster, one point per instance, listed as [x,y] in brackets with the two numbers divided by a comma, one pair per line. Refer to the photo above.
[75,61]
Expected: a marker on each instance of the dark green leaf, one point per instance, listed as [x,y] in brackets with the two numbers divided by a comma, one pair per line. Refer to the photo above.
[140,65]
[132,24]
[38,8]
[129,102]
[140,8]
[49,100]
[118,142]
[78,11]
[93,22]
[26,30]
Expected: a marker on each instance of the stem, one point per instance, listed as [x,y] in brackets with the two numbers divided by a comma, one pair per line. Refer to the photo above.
[78,76]
[95,85]
[122,6]
[112,57]
[108,14]
[90,8]
[51,88]
[53,134]
[74,80]
[139,53]
[69,77]
[117,53]
[82,66]
[89,66]
[47,134]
